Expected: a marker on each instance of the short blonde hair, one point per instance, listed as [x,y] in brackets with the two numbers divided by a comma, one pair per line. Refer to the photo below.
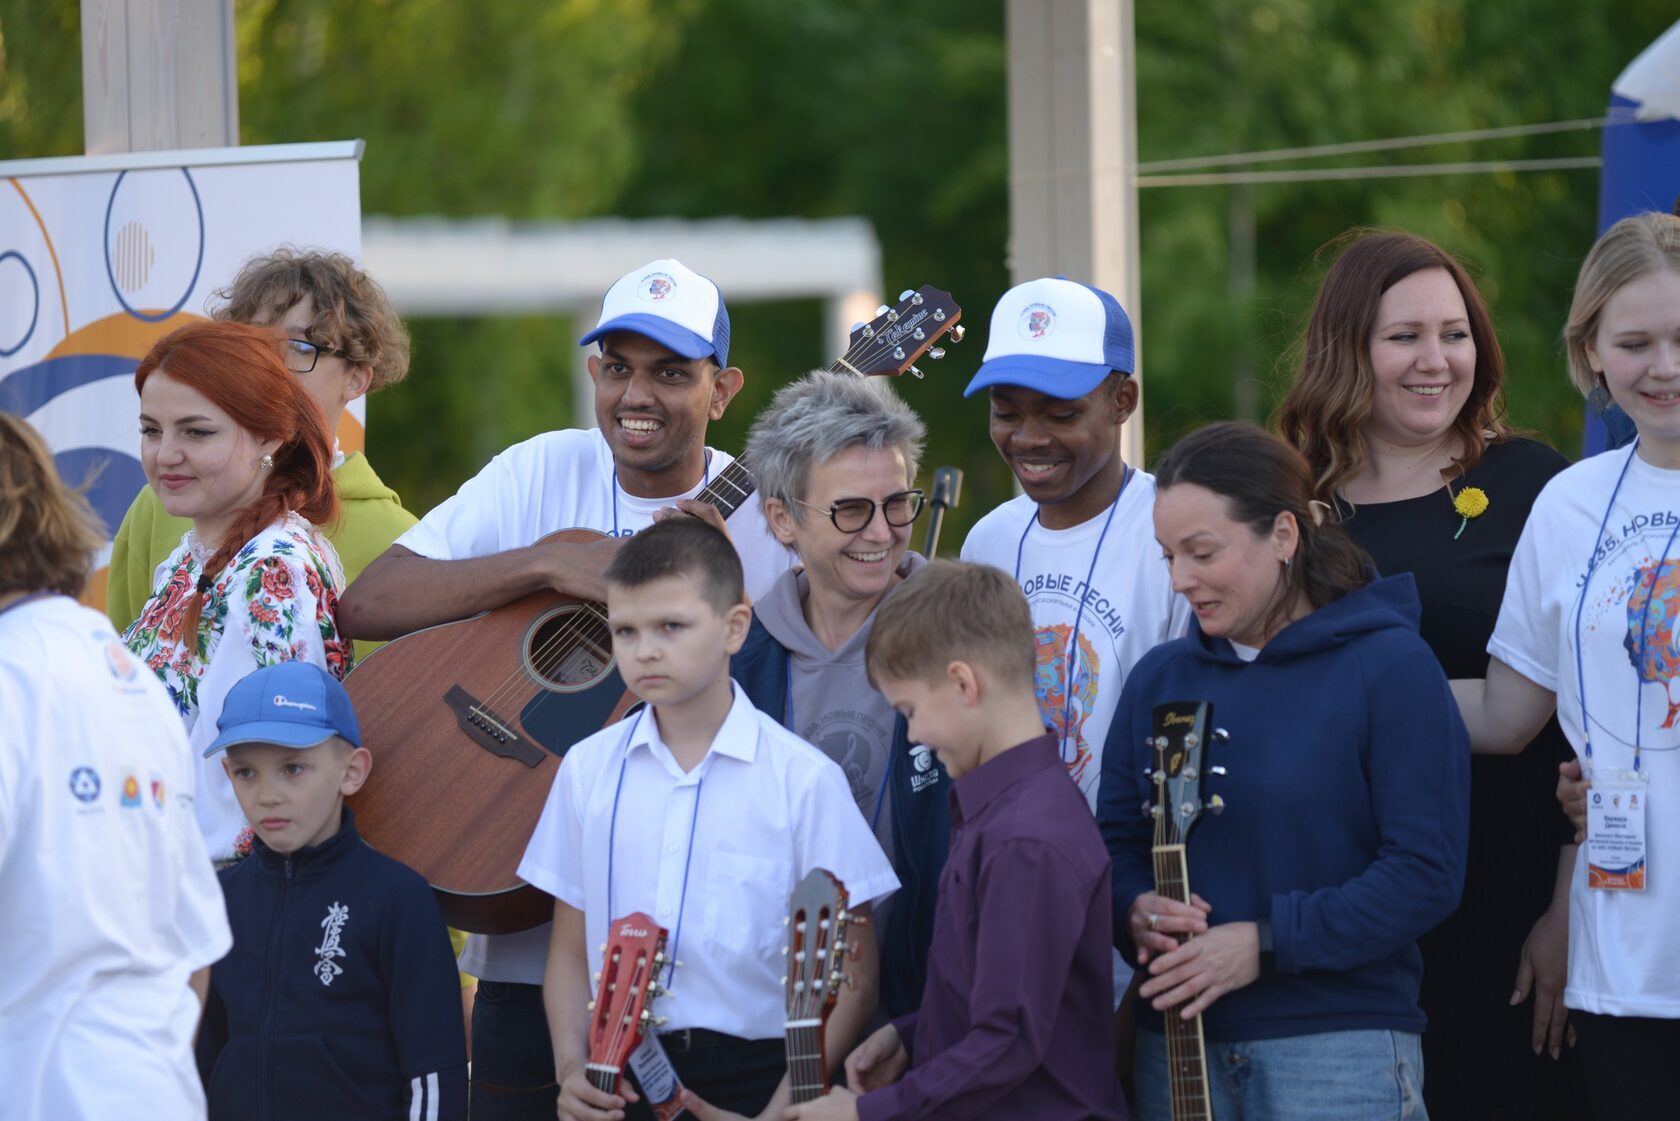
[352,312]
[48,532]
[953,611]
[1644,243]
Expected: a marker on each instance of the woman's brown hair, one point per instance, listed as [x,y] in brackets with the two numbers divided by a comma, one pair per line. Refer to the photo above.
[48,532]
[1329,402]
[1259,477]
[241,371]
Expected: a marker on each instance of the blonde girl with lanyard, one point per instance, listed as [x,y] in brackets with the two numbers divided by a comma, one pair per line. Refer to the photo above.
[1588,627]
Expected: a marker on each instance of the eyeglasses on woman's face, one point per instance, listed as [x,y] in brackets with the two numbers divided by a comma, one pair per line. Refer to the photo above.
[851,515]
[301,355]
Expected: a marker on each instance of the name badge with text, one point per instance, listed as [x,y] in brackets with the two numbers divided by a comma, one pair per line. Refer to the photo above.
[1616,854]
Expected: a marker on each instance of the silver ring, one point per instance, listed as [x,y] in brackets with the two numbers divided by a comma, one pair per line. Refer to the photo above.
[1153,919]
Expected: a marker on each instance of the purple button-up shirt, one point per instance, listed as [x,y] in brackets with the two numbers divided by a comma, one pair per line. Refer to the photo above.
[1017,1019]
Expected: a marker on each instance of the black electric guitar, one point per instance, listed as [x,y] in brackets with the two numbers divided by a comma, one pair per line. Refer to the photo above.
[1178,744]
[469,719]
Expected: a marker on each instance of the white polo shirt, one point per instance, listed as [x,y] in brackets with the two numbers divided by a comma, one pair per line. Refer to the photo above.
[108,902]
[763,808]
[563,480]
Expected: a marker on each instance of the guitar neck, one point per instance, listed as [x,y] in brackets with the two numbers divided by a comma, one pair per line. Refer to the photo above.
[601,1077]
[1187,1079]
[807,1073]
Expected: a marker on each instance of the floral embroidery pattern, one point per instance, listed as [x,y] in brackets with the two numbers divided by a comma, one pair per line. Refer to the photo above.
[258,594]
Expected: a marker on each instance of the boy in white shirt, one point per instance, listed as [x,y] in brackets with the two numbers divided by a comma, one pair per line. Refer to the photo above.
[702,812]
[1080,542]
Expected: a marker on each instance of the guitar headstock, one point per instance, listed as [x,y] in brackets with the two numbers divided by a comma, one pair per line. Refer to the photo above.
[816,958]
[892,342]
[1178,746]
[619,1015]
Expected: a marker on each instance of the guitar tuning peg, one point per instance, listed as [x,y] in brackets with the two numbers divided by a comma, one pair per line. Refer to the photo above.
[592,1006]
[596,978]
[936,353]
[856,327]
[603,949]
[915,371]
[1216,805]
[1148,808]
[957,333]
[905,295]
[882,310]
[1216,769]
[850,982]
[1219,735]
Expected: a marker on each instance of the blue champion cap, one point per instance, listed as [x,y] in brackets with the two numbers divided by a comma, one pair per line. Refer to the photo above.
[293,704]
[1056,336]
[670,304]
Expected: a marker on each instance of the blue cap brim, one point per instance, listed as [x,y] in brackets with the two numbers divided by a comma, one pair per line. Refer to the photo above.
[678,338]
[269,731]
[1053,377]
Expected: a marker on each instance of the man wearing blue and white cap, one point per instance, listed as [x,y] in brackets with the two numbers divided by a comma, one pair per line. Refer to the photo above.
[661,375]
[1081,540]
[339,996]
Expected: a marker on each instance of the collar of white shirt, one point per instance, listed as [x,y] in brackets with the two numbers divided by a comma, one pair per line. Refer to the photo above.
[737,738]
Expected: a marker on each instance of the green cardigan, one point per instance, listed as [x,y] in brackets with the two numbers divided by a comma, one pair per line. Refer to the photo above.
[371,516]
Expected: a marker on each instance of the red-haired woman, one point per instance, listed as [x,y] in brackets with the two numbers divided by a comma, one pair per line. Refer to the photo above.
[231,440]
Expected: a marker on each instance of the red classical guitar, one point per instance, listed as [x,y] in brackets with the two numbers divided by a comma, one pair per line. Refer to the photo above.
[816,953]
[1178,743]
[469,719]
[619,1015]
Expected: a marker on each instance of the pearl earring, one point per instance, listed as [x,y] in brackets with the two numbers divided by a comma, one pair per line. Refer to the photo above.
[267,461]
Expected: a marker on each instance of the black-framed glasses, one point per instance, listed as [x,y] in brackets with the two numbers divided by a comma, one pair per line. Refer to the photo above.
[851,515]
[301,355]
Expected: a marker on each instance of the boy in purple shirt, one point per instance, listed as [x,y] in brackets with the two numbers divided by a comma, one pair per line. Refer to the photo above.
[1017,1015]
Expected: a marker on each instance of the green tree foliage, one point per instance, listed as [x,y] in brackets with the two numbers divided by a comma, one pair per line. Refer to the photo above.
[898,112]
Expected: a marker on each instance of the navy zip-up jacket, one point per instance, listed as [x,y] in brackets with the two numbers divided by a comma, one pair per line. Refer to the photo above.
[1346,818]
[921,825]
[340,998]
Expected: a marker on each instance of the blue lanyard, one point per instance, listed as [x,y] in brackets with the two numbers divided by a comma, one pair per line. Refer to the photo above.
[30,598]
[612,835]
[705,477]
[886,777]
[1078,615]
[1644,622]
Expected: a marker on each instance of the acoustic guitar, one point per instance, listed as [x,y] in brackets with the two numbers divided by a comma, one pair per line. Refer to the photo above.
[620,1016]
[816,957]
[1178,743]
[469,719]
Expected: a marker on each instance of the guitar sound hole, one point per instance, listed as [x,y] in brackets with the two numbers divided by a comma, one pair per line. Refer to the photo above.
[569,649]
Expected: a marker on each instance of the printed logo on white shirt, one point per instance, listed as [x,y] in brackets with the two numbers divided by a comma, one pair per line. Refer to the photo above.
[84,784]
[326,968]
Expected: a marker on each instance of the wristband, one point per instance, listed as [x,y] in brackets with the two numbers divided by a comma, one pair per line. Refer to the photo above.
[1268,955]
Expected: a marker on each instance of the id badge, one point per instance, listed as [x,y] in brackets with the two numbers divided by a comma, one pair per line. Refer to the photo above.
[656,1078]
[1616,851]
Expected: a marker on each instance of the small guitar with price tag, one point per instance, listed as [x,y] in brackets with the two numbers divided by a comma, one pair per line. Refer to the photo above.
[620,1016]
[1178,744]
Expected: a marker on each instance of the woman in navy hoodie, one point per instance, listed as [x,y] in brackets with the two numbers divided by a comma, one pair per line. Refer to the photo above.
[1345,803]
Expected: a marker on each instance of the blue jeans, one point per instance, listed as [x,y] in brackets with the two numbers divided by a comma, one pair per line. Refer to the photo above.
[513,1063]
[1331,1076]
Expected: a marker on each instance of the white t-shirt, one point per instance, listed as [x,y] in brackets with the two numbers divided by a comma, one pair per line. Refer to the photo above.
[1619,962]
[1129,609]
[563,480]
[763,808]
[108,903]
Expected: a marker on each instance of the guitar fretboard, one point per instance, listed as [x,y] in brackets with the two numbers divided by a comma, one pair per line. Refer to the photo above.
[603,1078]
[806,1080]
[1187,1081]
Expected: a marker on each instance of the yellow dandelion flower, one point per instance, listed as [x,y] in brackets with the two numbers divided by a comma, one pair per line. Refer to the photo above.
[1471,502]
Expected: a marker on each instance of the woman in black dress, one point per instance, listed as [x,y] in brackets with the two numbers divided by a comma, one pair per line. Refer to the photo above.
[1398,406]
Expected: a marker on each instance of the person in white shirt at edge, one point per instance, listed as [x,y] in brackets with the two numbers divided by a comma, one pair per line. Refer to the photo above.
[1081,540]
[106,891]
[730,811]
[663,373]
[1590,627]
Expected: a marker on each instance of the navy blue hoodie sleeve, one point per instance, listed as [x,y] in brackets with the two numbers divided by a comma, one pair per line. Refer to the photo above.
[425,1004]
[1417,760]
[1128,834]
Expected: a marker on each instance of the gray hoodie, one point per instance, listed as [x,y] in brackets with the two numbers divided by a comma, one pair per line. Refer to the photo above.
[832,703]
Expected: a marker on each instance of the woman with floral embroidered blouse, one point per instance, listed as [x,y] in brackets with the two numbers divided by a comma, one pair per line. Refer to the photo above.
[231,440]
[1398,408]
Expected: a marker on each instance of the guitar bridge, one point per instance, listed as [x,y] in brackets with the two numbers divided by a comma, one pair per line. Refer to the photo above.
[488,730]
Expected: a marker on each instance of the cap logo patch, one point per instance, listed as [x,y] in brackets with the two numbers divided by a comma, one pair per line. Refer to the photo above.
[283,701]
[1037,321]
[656,286]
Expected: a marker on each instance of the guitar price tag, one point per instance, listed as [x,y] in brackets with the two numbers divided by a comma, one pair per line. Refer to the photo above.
[656,1078]
[1616,851]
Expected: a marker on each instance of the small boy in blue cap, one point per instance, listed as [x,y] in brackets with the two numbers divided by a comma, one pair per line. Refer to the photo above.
[339,998]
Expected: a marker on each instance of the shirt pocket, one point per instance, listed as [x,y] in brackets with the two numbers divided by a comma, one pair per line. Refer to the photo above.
[746,899]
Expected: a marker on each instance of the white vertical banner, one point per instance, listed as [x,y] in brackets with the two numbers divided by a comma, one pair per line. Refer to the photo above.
[100,256]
